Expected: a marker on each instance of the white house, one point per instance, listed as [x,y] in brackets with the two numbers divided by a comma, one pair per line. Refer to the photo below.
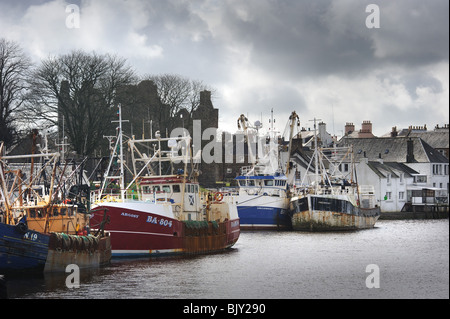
[429,169]
[391,181]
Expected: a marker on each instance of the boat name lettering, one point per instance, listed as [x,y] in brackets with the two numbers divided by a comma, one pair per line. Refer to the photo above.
[30,236]
[162,221]
[129,215]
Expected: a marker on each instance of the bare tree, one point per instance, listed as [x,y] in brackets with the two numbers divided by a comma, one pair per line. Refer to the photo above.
[77,91]
[14,65]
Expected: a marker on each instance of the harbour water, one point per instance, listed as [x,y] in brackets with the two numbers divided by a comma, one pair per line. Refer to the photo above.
[406,258]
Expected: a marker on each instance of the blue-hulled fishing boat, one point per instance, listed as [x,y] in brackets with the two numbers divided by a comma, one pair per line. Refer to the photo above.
[264,193]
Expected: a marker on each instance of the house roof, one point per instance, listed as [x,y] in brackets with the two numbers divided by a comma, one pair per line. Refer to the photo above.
[393,168]
[438,140]
[393,149]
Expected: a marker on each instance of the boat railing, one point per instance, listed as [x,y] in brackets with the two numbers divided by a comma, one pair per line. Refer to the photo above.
[326,190]
[108,195]
[218,196]
[256,170]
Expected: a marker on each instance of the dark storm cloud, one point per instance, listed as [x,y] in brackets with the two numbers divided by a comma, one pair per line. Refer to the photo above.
[307,55]
[306,38]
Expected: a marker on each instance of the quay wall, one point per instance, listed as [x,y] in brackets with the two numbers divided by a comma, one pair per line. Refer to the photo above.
[414,215]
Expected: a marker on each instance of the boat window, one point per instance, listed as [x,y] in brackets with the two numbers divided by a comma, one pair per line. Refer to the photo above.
[280,183]
[40,213]
[146,189]
[176,188]
[196,188]
[268,182]
[63,211]
[55,211]
[166,188]
[156,189]
[242,183]
[251,183]
[32,213]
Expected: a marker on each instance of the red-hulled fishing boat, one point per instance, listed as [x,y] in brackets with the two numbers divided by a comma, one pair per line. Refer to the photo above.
[157,213]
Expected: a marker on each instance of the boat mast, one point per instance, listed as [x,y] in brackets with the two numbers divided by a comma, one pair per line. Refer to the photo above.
[113,154]
[292,118]
[316,155]
[122,179]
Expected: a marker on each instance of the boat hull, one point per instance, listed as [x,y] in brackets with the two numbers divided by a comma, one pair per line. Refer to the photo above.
[22,249]
[264,218]
[316,213]
[148,229]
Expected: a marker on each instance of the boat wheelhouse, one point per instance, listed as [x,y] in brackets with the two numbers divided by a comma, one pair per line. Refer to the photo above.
[263,200]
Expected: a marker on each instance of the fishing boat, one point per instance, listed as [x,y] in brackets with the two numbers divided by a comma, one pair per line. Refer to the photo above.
[264,192]
[39,231]
[162,211]
[330,199]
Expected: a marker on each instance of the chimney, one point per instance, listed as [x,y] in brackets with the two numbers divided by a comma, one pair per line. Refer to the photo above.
[394,132]
[366,127]
[349,128]
[410,151]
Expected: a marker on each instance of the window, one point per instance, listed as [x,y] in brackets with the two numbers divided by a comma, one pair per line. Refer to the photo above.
[191,188]
[437,169]
[280,183]
[388,178]
[401,195]
[268,182]
[420,179]
[402,177]
[388,196]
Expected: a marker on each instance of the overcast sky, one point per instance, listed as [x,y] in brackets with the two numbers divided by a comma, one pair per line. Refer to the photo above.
[317,57]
